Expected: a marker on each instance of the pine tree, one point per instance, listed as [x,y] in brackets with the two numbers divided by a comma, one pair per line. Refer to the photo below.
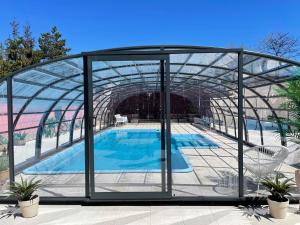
[13,43]
[2,61]
[14,49]
[52,44]
[27,45]
[20,50]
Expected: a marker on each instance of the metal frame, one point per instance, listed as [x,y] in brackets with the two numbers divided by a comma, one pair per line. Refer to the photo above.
[88,124]
[164,107]
[240,124]
[10,119]
[147,52]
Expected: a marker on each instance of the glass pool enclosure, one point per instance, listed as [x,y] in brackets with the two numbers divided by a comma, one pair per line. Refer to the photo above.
[145,123]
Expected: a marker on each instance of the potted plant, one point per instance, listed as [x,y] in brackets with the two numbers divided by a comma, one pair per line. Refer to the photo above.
[28,200]
[49,129]
[19,139]
[4,174]
[277,201]
[3,144]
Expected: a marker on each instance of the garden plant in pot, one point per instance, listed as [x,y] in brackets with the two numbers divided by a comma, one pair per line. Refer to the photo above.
[28,200]
[3,144]
[277,201]
[19,139]
[3,169]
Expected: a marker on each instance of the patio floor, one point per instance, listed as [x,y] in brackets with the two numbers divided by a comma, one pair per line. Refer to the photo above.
[147,215]
[214,172]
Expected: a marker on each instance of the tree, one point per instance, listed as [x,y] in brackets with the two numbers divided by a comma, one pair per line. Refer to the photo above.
[28,43]
[30,55]
[19,50]
[280,44]
[292,105]
[13,43]
[52,44]
[13,49]
[3,64]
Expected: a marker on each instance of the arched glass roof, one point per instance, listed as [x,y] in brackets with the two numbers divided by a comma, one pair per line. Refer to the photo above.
[56,87]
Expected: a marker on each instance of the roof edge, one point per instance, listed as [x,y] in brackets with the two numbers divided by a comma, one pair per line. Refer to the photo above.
[162,47]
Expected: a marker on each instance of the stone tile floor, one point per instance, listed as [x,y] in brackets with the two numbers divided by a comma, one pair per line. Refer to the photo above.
[215,171]
[146,215]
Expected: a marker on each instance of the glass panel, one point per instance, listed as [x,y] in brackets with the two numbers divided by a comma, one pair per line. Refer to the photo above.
[118,166]
[64,133]
[38,106]
[68,84]
[51,93]
[77,129]
[36,76]
[18,104]
[49,136]
[263,65]
[61,69]
[24,146]
[44,160]
[4,160]
[72,94]
[4,164]
[28,121]
[197,116]
[191,69]
[267,161]
[24,90]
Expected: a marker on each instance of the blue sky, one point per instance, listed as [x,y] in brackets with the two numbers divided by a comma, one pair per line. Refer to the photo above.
[92,25]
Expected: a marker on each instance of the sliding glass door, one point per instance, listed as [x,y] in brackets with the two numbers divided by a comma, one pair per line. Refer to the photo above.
[128,146]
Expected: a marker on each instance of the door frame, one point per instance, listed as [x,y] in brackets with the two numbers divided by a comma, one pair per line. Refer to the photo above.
[166,168]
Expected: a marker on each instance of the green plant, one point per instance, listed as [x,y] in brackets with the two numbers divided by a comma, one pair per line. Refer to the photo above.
[292,105]
[3,140]
[3,163]
[278,189]
[25,189]
[19,136]
[49,129]
[77,125]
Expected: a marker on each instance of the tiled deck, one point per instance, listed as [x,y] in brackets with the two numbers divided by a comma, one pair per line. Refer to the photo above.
[147,215]
[214,172]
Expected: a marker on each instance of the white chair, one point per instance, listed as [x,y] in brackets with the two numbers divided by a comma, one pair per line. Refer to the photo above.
[125,119]
[262,161]
[119,119]
[294,155]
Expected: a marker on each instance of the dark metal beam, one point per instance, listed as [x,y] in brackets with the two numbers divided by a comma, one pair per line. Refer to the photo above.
[89,136]
[240,125]
[10,119]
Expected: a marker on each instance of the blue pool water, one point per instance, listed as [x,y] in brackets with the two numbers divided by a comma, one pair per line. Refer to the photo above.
[130,150]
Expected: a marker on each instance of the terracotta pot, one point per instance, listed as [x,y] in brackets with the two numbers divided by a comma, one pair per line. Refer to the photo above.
[4,175]
[278,209]
[297,177]
[29,208]
[19,142]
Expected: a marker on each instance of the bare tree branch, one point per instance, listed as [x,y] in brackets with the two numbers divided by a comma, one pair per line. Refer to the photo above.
[281,44]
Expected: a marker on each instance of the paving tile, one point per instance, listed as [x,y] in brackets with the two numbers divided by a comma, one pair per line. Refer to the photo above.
[209,166]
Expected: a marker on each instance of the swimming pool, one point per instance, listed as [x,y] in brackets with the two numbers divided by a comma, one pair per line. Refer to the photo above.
[123,150]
